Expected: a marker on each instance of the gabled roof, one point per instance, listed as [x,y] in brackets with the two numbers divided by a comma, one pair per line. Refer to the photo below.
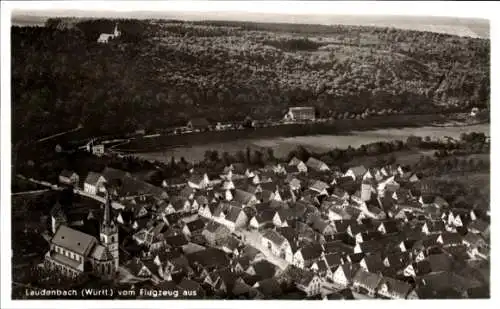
[398,260]
[319,186]
[294,161]
[73,240]
[390,226]
[186,192]
[265,215]
[101,253]
[333,259]
[367,279]
[335,247]
[451,238]
[178,240]
[291,169]
[214,227]
[274,236]
[110,173]
[242,197]
[397,287]
[230,242]
[196,178]
[373,262]
[349,270]
[315,163]
[210,257]
[199,122]
[67,173]
[421,268]
[311,252]
[196,225]
[358,171]
[92,178]
[479,226]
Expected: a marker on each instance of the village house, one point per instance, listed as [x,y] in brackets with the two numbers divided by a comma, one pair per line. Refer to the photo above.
[320,187]
[366,282]
[320,268]
[433,227]
[356,173]
[345,273]
[214,232]
[193,228]
[372,263]
[231,216]
[262,219]
[94,183]
[198,125]
[231,245]
[417,269]
[69,178]
[393,289]
[277,244]
[317,165]
[479,227]
[305,256]
[198,181]
[309,283]
[244,198]
[301,166]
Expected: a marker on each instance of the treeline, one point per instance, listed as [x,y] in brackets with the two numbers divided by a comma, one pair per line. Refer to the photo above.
[153,78]
[293,45]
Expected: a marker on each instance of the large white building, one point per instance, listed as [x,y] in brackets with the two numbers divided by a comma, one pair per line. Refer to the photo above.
[300,113]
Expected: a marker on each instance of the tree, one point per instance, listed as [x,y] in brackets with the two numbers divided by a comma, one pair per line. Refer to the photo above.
[270,155]
[248,156]
[414,141]
[226,158]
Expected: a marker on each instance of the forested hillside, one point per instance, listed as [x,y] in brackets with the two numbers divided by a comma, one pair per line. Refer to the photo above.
[162,73]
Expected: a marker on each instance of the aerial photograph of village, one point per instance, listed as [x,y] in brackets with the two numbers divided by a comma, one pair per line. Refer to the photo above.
[203,156]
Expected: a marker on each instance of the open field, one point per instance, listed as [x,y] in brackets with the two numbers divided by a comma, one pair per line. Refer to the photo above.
[318,143]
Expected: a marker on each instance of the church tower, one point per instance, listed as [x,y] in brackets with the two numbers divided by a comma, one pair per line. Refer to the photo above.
[109,232]
[116,32]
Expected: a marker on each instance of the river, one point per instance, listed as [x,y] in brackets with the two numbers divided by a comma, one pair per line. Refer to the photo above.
[319,143]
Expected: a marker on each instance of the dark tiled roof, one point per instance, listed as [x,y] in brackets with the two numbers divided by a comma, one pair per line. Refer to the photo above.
[367,279]
[73,240]
[311,252]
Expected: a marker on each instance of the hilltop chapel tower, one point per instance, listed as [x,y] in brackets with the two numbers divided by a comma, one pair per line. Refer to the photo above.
[109,232]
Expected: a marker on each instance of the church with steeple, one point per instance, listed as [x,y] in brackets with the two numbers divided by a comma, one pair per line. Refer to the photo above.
[73,252]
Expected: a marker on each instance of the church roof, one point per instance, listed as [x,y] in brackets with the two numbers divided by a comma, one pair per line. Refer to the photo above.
[101,253]
[74,240]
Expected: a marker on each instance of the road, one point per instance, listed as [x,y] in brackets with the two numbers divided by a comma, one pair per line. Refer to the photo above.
[30,192]
[114,204]
[254,239]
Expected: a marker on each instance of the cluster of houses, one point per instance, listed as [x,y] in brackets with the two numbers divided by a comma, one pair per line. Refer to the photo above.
[378,232]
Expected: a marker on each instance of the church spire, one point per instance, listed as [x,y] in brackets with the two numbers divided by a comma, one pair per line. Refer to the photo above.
[107,215]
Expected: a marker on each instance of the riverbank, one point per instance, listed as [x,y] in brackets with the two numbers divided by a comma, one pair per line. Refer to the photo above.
[343,126]
[281,146]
